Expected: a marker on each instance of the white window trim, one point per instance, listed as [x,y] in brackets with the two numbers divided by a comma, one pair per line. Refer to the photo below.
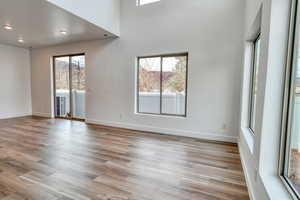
[246,92]
[286,114]
[262,172]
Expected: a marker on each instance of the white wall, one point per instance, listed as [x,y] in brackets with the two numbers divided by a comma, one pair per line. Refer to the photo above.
[252,7]
[212,33]
[15,93]
[103,13]
[260,152]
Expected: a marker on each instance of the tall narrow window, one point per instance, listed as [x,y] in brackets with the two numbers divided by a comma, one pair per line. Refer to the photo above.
[291,116]
[254,78]
[162,83]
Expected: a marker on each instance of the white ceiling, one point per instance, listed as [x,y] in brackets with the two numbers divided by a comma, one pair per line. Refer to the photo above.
[39,23]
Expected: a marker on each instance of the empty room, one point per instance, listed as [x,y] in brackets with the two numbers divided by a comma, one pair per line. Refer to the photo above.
[149,100]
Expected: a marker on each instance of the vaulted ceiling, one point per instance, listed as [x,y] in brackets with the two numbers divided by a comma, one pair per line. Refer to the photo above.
[39,23]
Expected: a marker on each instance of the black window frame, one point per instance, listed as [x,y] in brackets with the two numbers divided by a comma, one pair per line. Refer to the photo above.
[161,56]
[70,84]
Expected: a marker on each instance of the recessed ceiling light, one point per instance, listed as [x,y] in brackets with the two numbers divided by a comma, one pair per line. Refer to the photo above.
[21,40]
[63,32]
[8,27]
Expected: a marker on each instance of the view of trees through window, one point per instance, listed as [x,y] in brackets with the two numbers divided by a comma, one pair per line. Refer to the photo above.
[162,84]
[174,78]
[62,73]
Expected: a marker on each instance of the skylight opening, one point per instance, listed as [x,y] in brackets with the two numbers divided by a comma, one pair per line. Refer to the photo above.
[144,2]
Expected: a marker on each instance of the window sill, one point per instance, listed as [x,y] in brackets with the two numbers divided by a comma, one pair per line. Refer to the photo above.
[249,137]
[275,187]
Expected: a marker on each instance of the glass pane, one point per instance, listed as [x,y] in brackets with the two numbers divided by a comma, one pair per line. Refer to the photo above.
[174,85]
[143,2]
[292,158]
[62,92]
[292,165]
[149,85]
[254,84]
[78,86]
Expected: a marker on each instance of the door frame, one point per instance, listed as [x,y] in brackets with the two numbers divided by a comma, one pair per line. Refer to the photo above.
[70,85]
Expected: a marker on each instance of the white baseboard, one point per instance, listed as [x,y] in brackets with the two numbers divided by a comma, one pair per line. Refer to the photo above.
[14,115]
[192,134]
[38,114]
[248,182]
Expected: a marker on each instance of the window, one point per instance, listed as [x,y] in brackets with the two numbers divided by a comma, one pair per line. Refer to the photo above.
[253,88]
[291,117]
[69,86]
[162,84]
[143,2]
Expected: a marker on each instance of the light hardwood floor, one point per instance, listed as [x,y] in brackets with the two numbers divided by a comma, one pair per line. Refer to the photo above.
[48,159]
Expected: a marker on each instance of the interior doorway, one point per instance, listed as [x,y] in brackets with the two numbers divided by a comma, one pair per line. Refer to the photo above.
[69,86]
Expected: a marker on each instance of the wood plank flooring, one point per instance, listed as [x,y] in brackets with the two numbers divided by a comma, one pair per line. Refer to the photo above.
[48,159]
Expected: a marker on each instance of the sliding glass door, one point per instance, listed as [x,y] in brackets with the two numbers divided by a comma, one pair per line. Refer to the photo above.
[78,86]
[69,84]
[62,87]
